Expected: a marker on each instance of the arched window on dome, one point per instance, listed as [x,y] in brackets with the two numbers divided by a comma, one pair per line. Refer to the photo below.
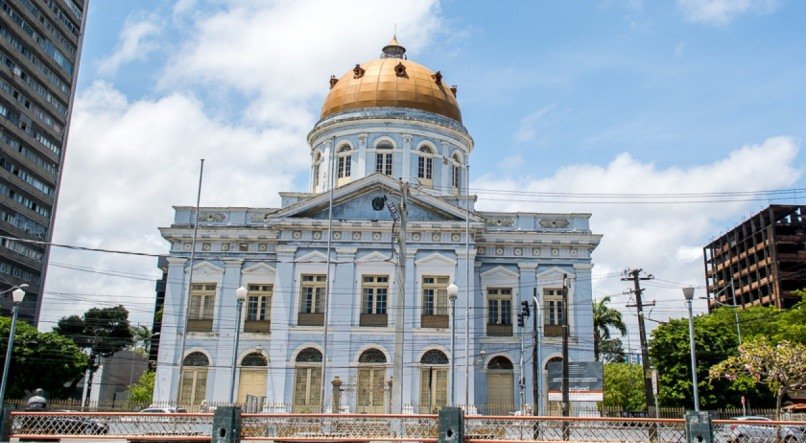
[317,161]
[383,158]
[456,174]
[345,156]
[425,167]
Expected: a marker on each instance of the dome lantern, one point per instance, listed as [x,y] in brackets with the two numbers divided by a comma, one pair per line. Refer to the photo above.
[393,50]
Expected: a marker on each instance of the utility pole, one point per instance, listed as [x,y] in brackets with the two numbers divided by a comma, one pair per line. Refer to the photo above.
[400,267]
[635,276]
[537,356]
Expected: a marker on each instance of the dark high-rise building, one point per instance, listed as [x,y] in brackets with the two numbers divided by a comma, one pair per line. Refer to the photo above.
[40,47]
[763,260]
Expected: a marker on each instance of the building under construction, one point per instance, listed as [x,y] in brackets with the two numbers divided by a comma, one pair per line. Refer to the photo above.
[763,260]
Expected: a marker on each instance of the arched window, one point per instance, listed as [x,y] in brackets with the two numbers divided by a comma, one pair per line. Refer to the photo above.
[500,386]
[425,167]
[194,379]
[456,173]
[383,158]
[343,169]
[317,161]
[308,381]
[252,382]
[371,380]
[433,381]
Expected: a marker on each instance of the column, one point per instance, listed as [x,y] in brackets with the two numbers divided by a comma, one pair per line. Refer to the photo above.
[364,164]
[466,344]
[220,372]
[527,283]
[168,358]
[405,158]
[411,320]
[581,299]
[340,309]
[281,369]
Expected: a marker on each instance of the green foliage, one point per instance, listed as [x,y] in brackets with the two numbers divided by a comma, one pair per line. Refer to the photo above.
[624,386]
[100,331]
[781,366]
[39,360]
[612,351]
[141,392]
[605,318]
[715,340]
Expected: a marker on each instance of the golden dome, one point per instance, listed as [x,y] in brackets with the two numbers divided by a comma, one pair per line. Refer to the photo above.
[392,81]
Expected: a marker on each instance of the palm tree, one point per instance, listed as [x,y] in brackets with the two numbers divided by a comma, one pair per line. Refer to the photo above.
[605,318]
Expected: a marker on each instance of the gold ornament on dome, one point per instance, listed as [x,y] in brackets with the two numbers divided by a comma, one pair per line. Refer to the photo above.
[392,81]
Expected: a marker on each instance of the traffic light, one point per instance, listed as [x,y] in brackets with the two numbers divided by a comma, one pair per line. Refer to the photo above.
[525,309]
[520,319]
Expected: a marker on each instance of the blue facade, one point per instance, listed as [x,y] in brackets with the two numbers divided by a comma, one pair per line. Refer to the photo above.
[305,322]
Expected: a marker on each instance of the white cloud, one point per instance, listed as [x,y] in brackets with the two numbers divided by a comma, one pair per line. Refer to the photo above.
[528,124]
[664,238]
[137,40]
[128,163]
[256,48]
[722,12]
[130,160]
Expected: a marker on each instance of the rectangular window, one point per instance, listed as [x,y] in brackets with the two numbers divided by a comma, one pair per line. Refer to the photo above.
[202,303]
[499,312]
[374,290]
[312,300]
[374,294]
[435,302]
[553,312]
[383,163]
[344,166]
[258,308]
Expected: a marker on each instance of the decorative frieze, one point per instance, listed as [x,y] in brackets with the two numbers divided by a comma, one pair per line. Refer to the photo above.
[554,223]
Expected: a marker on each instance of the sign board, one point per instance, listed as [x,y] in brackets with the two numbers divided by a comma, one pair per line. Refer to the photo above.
[584,381]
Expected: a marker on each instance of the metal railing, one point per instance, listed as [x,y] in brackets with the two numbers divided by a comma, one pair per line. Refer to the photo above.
[401,427]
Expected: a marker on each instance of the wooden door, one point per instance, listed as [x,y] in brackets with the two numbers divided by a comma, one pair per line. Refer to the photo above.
[251,382]
[500,392]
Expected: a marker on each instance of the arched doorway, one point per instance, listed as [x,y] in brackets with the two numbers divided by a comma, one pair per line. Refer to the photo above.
[500,386]
[433,381]
[307,381]
[252,381]
[194,379]
[371,379]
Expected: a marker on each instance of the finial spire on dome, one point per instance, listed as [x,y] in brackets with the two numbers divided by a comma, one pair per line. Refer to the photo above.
[393,49]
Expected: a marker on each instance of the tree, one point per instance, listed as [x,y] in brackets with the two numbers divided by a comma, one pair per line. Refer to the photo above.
[605,318]
[100,332]
[44,360]
[612,351]
[781,366]
[141,339]
[624,386]
[141,392]
[715,340]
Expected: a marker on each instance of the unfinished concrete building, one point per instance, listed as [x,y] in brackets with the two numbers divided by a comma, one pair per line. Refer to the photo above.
[763,260]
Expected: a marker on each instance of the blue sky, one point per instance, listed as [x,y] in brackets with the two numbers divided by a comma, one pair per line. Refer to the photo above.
[617,97]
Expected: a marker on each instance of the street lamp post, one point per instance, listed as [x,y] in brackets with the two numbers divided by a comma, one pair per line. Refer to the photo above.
[688,293]
[17,294]
[453,292]
[240,297]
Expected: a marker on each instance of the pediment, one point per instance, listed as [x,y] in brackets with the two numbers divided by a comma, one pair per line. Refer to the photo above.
[499,273]
[554,273]
[312,257]
[366,199]
[373,257]
[435,259]
[259,268]
[207,268]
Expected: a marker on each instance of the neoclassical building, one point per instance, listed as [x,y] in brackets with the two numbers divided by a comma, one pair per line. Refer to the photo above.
[350,279]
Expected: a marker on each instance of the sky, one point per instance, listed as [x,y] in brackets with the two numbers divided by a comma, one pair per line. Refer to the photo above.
[664,120]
